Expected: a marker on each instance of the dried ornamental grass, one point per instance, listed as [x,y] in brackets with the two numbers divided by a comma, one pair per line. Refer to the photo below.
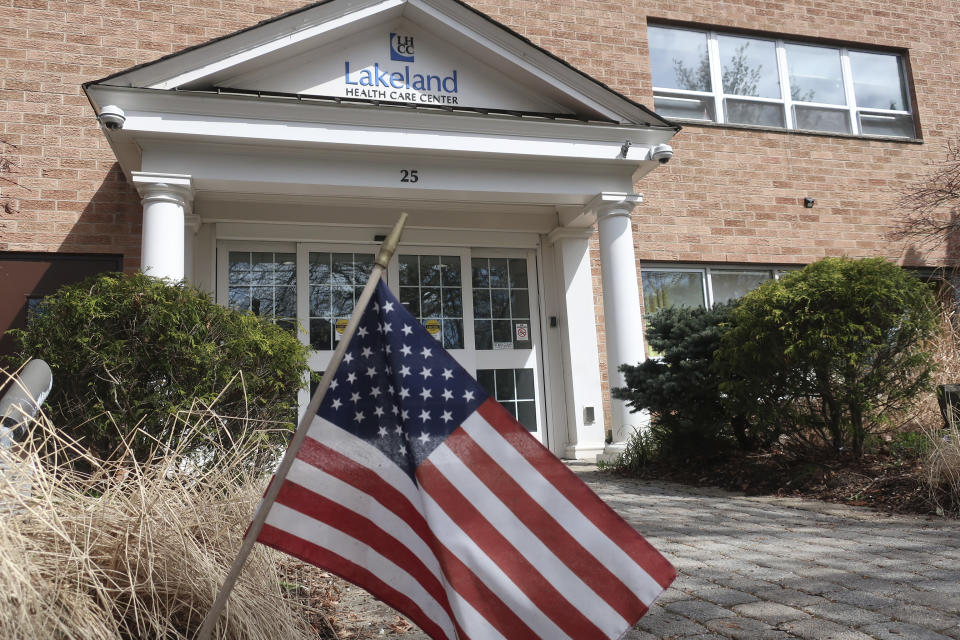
[134,551]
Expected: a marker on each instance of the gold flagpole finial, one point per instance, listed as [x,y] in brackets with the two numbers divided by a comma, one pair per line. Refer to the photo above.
[390,243]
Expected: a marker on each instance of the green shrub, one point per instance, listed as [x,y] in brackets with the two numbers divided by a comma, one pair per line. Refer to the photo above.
[680,389]
[828,351]
[129,352]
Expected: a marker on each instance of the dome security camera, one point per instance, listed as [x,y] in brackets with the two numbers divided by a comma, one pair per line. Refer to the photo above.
[661,153]
[112,117]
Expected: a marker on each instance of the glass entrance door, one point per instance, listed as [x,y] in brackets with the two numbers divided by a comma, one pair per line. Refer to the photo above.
[481,305]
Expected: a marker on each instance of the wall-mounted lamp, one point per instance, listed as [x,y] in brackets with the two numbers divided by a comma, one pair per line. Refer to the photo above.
[808,202]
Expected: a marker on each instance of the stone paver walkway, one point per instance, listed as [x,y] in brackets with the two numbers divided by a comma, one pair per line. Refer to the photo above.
[761,568]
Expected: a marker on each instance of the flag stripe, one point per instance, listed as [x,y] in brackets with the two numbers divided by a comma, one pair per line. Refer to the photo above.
[588,528]
[526,621]
[356,526]
[493,543]
[358,455]
[567,584]
[463,586]
[545,528]
[477,607]
[341,466]
[323,483]
[316,543]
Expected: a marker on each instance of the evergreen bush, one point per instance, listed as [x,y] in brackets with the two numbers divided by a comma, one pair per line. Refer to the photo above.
[680,389]
[134,350]
[828,352]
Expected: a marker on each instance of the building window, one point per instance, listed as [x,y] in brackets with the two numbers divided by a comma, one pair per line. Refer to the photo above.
[264,283]
[768,82]
[501,303]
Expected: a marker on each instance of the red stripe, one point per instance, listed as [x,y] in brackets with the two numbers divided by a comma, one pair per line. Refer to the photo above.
[578,493]
[360,528]
[528,511]
[543,595]
[459,577]
[348,570]
[364,479]
[487,603]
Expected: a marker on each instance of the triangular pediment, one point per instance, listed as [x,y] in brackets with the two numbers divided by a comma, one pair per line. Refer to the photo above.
[424,52]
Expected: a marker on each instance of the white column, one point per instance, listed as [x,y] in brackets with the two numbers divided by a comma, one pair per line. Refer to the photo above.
[621,306]
[167,200]
[578,328]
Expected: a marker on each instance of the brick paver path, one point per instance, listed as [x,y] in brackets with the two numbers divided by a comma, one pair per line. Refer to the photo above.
[761,568]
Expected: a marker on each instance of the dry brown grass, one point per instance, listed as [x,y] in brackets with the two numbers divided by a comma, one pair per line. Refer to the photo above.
[943,459]
[134,551]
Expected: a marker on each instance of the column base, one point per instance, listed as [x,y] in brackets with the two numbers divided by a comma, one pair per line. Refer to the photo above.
[583,451]
[611,451]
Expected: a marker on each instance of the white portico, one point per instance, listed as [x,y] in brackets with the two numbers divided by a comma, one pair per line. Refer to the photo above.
[269,162]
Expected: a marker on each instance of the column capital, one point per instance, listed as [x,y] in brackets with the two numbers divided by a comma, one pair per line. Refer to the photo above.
[164,187]
[613,203]
[569,233]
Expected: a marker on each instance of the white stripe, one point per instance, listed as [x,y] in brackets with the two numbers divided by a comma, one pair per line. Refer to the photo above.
[364,454]
[488,572]
[362,503]
[471,621]
[565,581]
[356,551]
[563,511]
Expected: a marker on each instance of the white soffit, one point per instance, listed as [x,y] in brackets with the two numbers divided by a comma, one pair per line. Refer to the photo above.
[426,52]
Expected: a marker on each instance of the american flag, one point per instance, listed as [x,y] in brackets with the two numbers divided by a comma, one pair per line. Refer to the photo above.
[416,485]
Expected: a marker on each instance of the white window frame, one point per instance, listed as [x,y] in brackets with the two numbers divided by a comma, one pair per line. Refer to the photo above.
[854,112]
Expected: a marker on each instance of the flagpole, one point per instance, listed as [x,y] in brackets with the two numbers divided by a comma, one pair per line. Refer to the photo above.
[387,248]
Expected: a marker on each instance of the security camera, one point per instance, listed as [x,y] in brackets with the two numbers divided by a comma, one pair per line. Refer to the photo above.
[111,117]
[661,153]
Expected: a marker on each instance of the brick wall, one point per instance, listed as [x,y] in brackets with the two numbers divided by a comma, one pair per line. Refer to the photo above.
[729,195]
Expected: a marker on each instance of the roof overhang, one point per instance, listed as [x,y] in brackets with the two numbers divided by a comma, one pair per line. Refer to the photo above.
[177,111]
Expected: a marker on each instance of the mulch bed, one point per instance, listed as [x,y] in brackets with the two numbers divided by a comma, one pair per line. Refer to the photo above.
[883,482]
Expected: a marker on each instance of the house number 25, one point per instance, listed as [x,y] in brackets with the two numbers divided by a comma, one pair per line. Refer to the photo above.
[409,175]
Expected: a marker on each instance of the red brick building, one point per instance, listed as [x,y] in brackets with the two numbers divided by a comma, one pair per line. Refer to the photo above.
[533,123]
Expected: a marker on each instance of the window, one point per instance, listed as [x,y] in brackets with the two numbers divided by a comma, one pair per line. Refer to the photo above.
[698,286]
[501,303]
[768,82]
[336,281]
[430,288]
[514,389]
[264,283]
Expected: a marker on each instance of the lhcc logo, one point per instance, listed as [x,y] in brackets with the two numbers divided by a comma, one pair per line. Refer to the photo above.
[401,47]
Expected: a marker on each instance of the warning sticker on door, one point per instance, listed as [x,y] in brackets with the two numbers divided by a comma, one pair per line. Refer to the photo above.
[432,327]
[523,331]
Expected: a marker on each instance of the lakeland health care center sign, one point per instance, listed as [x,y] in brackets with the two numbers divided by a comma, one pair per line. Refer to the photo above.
[399,62]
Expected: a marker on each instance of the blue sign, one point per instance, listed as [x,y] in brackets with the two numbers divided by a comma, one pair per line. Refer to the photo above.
[401,47]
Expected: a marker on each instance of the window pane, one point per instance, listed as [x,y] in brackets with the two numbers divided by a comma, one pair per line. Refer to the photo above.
[450,265]
[524,384]
[527,415]
[409,273]
[820,119]
[504,386]
[729,285]
[453,334]
[671,288]
[678,59]
[899,125]
[877,82]
[815,74]
[518,273]
[319,268]
[481,303]
[483,334]
[764,114]
[689,107]
[749,67]
[498,272]
[481,272]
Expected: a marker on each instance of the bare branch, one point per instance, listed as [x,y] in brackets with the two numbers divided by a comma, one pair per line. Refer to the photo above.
[930,207]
